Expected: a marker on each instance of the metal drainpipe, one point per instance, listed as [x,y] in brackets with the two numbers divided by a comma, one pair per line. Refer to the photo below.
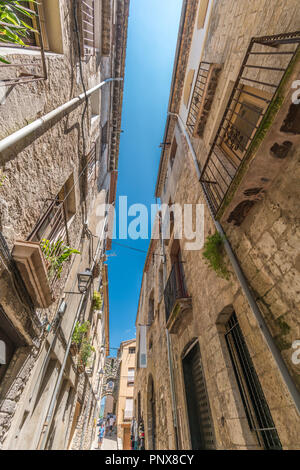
[169,347]
[295,395]
[49,417]
[12,139]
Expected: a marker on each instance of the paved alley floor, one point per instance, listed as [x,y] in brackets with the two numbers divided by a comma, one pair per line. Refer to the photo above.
[109,443]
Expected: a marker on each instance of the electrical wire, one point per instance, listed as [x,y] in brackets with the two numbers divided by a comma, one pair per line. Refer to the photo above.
[135,249]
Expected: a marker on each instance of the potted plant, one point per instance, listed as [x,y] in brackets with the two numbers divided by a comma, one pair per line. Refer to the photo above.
[86,351]
[78,334]
[56,254]
[97,301]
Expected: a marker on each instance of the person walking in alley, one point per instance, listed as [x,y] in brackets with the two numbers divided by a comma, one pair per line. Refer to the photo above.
[111,424]
[101,435]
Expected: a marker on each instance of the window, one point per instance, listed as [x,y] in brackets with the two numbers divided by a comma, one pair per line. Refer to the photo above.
[202,13]
[151,309]
[53,223]
[95,106]
[256,407]
[161,283]
[188,87]
[173,152]
[48,22]
[130,379]
[132,350]
[128,411]
[33,39]
[9,341]
[243,123]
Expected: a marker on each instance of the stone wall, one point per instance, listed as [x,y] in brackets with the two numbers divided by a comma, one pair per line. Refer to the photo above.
[265,244]
[35,171]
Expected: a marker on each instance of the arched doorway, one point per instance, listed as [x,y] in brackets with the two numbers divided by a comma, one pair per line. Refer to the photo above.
[151,421]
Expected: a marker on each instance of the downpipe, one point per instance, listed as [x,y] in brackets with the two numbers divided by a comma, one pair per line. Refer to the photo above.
[14,138]
[294,393]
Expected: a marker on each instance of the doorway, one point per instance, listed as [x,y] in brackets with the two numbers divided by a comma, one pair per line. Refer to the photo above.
[199,416]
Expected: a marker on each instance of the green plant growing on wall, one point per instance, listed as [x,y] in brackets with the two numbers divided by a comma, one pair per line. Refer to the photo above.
[56,253]
[79,332]
[13,29]
[213,252]
[86,351]
[97,300]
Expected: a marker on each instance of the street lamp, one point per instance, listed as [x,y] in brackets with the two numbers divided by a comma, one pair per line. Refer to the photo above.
[83,280]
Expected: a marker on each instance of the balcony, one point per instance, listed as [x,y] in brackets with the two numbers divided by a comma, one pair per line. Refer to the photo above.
[29,65]
[247,112]
[34,269]
[203,94]
[177,302]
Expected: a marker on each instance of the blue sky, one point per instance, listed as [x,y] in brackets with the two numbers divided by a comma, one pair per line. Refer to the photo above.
[152,36]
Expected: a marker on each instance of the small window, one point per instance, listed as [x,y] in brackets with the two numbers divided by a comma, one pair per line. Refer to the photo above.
[132,350]
[256,407]
[128,412]
[52,224]
[202,13]
[188,87]
[9,341]
[173,152]
[91,162]
[95,106]
[130,379]
[244,121]
[151,310]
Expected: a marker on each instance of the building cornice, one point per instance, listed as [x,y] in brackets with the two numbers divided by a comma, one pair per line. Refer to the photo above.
[185,34]
[118,87]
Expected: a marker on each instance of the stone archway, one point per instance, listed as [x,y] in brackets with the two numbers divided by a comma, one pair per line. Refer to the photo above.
[151,414]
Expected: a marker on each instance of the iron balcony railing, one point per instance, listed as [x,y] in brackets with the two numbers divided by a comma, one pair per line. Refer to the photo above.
[175,288]
[88,26]
[263,68]
[201,101]
[32,68]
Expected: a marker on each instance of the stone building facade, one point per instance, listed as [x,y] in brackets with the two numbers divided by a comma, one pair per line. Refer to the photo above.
[56,180]
[124,408]
[111,385]
[220,368]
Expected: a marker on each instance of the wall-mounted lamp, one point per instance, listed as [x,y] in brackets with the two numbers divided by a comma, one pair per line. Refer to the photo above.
[84,280]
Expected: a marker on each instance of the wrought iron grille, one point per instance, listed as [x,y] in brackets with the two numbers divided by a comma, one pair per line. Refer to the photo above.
[52,224]
[263,68]
[30,69]
[202,97]
[255,404]
[88,26]
[175,288]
